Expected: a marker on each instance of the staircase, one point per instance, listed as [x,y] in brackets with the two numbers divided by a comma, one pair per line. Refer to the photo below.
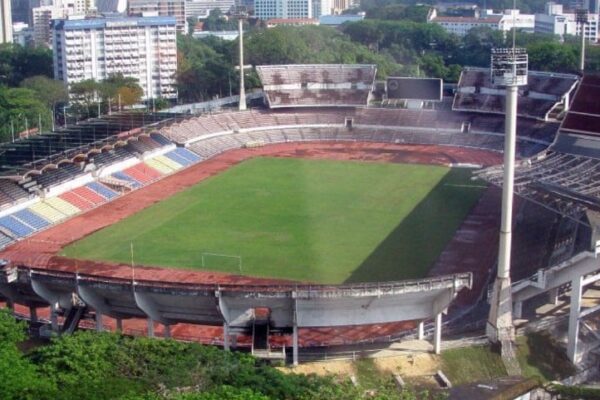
[117,184]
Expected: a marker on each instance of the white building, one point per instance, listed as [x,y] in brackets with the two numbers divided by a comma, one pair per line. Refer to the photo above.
[557,22]
[201,8]
[43,15]
[462,25]
[5,22]
[163,8]
[143,48]
[513,19]
[22,34]
[292,9]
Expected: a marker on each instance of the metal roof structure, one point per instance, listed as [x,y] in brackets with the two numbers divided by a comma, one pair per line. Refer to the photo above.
[24,156]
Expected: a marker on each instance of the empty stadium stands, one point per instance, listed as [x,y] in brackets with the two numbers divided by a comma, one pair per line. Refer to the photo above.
[317,85]
[543,93]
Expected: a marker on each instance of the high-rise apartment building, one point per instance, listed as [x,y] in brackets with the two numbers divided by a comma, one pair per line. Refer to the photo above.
[556,21]
[43,15]
[202,8]
[142,48]
[292,9]
[163,8]
[5,22]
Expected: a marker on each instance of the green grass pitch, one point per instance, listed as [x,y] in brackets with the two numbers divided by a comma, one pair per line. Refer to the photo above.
[311,220]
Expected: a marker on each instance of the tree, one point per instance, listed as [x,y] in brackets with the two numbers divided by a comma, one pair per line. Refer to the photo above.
[553,57]
[21,108]
[18,63]
[50,91]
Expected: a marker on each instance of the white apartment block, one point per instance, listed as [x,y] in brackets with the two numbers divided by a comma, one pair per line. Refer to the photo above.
[162,8]
[513,19]
[202,8]
[283,9]
[6,34]
[43,15]
[462,25]
[142,48]
[557,22]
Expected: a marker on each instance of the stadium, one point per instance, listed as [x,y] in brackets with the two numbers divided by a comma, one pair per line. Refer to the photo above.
[313,220]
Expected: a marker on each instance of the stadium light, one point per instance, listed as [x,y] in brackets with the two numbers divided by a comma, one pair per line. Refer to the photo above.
[241,14]
[508,69]
[582,19]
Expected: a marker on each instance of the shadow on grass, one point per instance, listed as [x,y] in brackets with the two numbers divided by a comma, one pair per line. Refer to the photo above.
[541,356]
[410,250]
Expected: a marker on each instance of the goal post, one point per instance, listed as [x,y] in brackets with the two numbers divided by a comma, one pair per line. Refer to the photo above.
[206,256]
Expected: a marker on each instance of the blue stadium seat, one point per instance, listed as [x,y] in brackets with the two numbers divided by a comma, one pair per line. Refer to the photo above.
[177,158]
[102,190]
[187,154]
[31,219]
[15,226]
[124,177]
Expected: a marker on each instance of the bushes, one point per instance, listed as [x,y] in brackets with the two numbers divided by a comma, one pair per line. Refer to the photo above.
[89,365]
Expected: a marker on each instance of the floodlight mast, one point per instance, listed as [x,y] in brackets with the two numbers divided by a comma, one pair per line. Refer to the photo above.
[241,14]
[582,19]
[509,69]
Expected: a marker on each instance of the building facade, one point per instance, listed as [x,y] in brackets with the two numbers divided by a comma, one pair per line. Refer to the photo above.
[292,9]
[141,48]
[163,8]
[556,21]
[201,8]
[5,22]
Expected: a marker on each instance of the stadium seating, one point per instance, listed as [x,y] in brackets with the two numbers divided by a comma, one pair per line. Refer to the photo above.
[63,206]
[31,219]
[79,202]
[5,240]
[47,212]
[15,226]
[142,173]
[11,192]
[157,165]
[127,177]
[102,190]
[89,195]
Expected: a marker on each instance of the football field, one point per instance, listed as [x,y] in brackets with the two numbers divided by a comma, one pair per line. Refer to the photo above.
[310,220]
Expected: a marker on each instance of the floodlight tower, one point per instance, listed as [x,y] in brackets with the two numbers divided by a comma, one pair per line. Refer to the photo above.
[508,69]
[581,18]
[241,14]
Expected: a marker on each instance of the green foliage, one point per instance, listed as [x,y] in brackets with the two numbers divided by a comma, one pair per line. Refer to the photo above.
[20,379]
[311,44]
[205,68]
[552,56]
[50,91]
[216,21]
[540,356]
[21,108]
[18,63]
[574,392]
[472,364]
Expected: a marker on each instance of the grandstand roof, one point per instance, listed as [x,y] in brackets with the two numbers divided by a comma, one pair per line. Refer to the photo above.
[317,85]
[583,117]
[34,153]
[542,93]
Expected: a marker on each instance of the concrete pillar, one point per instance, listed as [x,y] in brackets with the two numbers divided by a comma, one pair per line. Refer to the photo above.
[119,325]
[33,314]
[167,331]
[437,335]
[99,325]
[53,318]
[226,344]
[150,327]
[421,331]
[573,335]
[518,309]
[553,296]
[295,344]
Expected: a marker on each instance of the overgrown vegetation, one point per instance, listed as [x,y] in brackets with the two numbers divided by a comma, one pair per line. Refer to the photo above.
[89,365]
